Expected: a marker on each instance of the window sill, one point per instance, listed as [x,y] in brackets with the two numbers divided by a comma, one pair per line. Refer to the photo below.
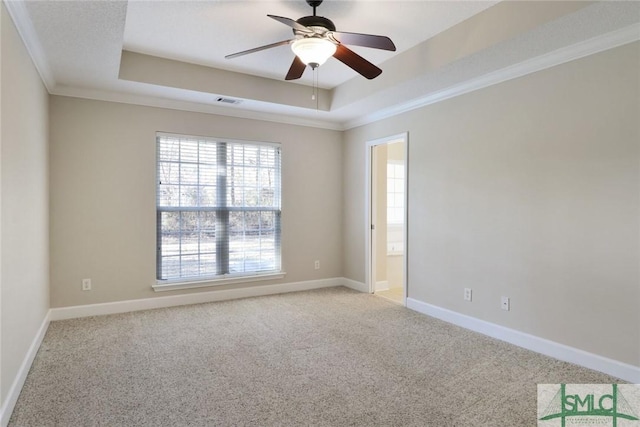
[167,285]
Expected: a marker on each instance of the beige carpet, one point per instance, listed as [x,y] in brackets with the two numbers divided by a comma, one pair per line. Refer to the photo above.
[330,357]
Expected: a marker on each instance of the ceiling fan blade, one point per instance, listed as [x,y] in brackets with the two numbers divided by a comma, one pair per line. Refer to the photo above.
[366,40]
[296,70]
[291,23]
[357,62]
[258,49]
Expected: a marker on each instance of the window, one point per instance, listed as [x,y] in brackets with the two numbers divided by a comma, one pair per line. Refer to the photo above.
[395,192]
[395,207]
[218,208]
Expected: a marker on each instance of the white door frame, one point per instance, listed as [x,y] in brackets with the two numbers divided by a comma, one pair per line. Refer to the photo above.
[370,212]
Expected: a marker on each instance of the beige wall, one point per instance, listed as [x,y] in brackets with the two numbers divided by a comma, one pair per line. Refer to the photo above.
[103,196]
[24,236]
[528,189]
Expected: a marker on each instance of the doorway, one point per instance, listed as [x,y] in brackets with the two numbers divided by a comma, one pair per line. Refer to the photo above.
[387,216]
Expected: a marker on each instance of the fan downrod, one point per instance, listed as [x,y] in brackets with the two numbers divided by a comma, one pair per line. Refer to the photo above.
[315,20]
[314,4]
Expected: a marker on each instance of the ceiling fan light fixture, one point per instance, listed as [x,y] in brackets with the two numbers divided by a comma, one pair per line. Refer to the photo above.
[316,39]
[313,51]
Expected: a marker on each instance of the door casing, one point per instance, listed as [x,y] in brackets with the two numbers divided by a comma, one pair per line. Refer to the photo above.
[370,243]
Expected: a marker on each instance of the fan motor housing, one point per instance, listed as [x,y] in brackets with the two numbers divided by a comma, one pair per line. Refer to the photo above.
[317,21]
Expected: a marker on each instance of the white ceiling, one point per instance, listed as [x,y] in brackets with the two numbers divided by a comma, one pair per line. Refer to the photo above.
[204,32]
[444,48]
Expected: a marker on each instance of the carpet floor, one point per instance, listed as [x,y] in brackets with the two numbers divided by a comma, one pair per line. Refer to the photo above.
[328,357]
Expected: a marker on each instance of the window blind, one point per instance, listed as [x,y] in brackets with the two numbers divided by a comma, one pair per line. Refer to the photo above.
[218,208]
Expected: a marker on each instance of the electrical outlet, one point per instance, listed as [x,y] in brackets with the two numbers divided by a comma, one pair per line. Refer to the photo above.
[86,284]
[467,294]
[317,265]
[504,303]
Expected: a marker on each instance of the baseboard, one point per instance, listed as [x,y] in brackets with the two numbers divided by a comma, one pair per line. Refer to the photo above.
[382,286]
[356,286]
[186,299]
[553,349]
[18,382]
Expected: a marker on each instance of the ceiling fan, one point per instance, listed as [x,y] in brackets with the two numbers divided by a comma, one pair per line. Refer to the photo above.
[316,39]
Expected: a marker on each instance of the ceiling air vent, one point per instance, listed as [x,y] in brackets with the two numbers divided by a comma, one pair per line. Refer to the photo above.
[228,100]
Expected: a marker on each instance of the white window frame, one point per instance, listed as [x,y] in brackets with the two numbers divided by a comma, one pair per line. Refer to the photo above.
[226,277]
[395,228]
[397,195]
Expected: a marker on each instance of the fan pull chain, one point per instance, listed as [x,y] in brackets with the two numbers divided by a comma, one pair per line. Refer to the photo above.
[314,90]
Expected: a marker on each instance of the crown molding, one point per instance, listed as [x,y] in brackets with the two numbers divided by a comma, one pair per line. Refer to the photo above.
[560,56]
[195,107]
[20,16]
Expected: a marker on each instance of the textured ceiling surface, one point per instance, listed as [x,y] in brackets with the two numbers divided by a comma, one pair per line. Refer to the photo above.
[204,32]
[175,50]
